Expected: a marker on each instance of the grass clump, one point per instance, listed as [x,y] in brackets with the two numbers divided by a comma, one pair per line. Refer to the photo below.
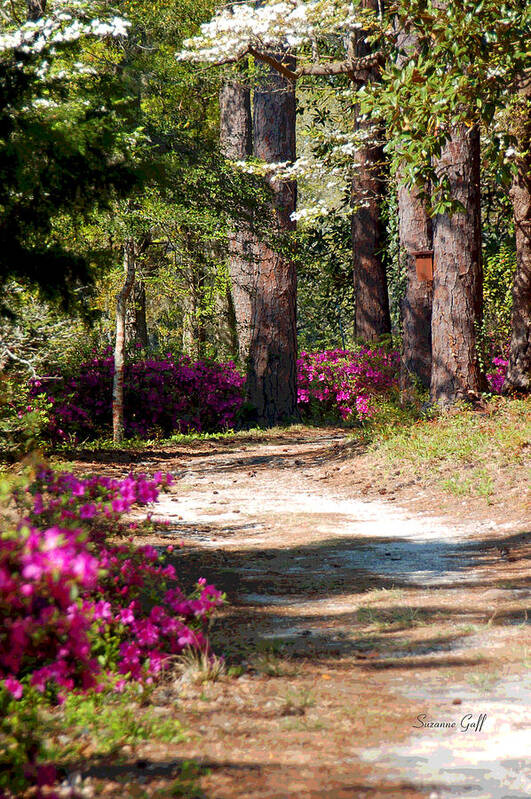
[500,430]
[200,667]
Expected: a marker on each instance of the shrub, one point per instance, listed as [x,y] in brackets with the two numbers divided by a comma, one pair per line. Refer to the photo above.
[496,378]
[164,396]
[80,612]
[24,419]
[345,383]
[498,273]
[72,604]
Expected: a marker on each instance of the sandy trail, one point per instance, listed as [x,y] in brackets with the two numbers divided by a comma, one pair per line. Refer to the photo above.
[354,579]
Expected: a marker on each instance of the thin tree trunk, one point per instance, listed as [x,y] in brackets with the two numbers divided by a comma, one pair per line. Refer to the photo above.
[457,284]
[271,364]
[119,351]
[136,323]
[519,368]
[372,319]
[236,143]
[139,301]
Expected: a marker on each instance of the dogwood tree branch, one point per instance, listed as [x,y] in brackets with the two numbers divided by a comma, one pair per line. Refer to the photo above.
[355,67]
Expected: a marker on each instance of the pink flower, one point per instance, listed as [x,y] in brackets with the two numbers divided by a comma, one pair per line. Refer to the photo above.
[14,687]
[119,505]
[87,511]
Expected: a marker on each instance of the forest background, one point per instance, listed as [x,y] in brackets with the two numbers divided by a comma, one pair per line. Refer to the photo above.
[123,132]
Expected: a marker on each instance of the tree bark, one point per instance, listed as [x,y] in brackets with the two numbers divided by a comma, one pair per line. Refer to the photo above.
[236,144]
[457,284]
[372,319]
[232,325]
[415,233]
[519,367]
[119,350]
[271,363]
[136,322]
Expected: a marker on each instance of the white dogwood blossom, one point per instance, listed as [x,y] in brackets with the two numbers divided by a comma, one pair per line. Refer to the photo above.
[263,27]
[59,27]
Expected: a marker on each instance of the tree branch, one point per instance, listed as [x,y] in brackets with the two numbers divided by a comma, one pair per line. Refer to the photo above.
[29,365]
[21,360]
[288,73]
[355,67]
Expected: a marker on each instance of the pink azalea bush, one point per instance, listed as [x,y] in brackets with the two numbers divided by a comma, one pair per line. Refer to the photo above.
[345,383]
[78,612]
[496,378]
[165,396]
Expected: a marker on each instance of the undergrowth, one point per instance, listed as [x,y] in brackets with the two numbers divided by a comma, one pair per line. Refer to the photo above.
[501,430]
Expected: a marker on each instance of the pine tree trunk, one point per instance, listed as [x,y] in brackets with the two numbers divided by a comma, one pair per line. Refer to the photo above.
[457,284]
[519,368]
[119,350]
[415,233]
[271,364]
[372,318]
[236,144]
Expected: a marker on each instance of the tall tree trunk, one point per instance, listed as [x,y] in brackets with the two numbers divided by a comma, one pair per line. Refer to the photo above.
[457,284]
[236,143]
[519,368]
[36,9]
[271,364]
[119,350]
[415,233]
[368,187]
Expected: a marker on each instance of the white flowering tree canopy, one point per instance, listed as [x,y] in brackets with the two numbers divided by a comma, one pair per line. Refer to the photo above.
[265,29]
[467,64]
[319,33]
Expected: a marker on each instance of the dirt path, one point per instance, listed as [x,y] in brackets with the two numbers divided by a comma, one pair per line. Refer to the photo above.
[348,620]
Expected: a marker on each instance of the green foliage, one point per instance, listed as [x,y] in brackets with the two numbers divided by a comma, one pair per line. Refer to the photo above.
[464,69]
[21,739]
[479,483]
[325,285]
[21,430]
[37,337]
[190,194]
[458,437]
[498,274]
[62,150]
[393,259]
[111,721]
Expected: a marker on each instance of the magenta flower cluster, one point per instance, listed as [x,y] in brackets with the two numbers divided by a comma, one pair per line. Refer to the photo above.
[496,378]
[74,608]
[345,383]
[165,396]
